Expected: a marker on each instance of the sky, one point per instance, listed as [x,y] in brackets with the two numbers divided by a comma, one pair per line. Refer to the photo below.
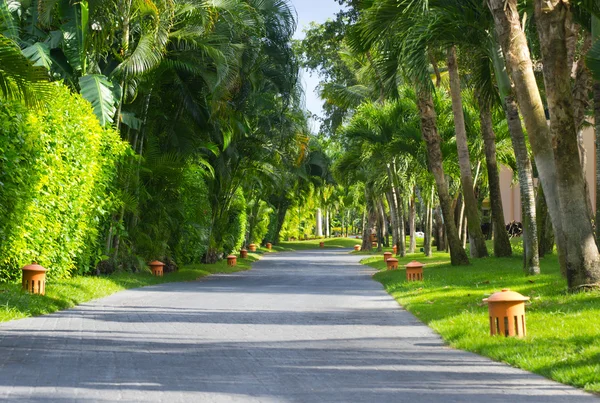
[308,11]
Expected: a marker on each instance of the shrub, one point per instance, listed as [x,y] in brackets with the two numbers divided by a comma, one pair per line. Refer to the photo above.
[56,170]
[194,236]
[235,229]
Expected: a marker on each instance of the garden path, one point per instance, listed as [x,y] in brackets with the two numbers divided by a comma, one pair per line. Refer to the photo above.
[309,326]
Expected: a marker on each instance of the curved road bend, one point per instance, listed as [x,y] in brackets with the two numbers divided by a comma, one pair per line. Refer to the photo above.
[300,327]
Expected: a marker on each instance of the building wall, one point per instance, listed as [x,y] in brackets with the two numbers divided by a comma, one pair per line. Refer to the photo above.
[511,196]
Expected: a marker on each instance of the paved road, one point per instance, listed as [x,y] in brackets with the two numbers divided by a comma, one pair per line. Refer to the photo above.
[300,327]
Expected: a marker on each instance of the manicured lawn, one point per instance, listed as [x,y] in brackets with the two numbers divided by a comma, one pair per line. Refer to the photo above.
[63,294]
[563,330]
[314,244]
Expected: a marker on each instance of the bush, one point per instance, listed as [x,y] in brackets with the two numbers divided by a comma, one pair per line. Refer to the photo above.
[194,237]
[235,229]
[56,169]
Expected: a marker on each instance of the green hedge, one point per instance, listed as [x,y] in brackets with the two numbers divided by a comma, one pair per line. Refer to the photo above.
[194,237]
[56,169]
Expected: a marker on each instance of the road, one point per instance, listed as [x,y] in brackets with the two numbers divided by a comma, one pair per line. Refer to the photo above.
[308,326]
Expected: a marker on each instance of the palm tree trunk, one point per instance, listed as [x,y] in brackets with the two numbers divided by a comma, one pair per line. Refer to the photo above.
[520,67]
[428,226]
[502,247]
[597,127]
[401,245]
[478,247]
[411,223]
[393,217]
[544,225]
[458,255]
[530,231]
[524,170]
[582,256]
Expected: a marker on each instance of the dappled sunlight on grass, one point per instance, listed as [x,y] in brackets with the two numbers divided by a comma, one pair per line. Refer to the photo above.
[563,330]
[66,293]
[314,244]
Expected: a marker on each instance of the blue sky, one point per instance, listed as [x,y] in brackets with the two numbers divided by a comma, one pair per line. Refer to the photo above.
[308,11]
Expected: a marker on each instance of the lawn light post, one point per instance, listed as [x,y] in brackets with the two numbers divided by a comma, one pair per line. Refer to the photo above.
[392,263]
[321,244]
[414,271]
[34,279]
[507,313]
[157,268]
[386,256]
[395,250]
[356,248]
[269,245]
[244,253]
[252,247]
[231,260]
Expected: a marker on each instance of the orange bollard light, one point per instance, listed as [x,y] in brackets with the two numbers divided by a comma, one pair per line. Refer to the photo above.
[507,313]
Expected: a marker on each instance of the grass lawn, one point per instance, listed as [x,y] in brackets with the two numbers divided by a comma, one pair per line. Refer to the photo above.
[66,293]
[314,244]
[563,330]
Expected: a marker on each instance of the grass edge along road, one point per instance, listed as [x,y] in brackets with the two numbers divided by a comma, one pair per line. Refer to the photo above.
[66,293]
[563,330]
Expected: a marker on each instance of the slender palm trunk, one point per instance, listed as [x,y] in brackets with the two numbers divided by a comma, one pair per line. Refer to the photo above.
[401,245]
[393,217]
[597,127]
[478,248]
[520,67]
[596,90]
[428,226]
[502,247]
[411,223]
[581,251]
[458,255]
[530,231]
[531,245]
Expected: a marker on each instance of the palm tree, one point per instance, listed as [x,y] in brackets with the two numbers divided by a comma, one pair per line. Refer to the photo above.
[558,167]
[387,22]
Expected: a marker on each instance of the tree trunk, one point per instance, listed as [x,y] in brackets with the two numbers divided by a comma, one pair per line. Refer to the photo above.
[428,226]
[544,225]
[519,65]
[502,247]
[411,223]
[401,245]
[524,170]
[581,251]
[319,223]
[478,248]
[596,90]
[597,128]
[458,255]
[393,217]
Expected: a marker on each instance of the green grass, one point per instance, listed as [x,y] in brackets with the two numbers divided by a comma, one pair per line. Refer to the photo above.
[563,330]
[66,293]
[314,244]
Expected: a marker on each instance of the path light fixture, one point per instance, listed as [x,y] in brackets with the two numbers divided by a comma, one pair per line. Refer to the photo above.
[392,263]
[507,313]
[386,256]
[395,249]
[157,268]
[269,245]
[374,244]
[252,247]
[244,253]
[231,260]
[34,279]
[414,271]
[356,248]
[321,244]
